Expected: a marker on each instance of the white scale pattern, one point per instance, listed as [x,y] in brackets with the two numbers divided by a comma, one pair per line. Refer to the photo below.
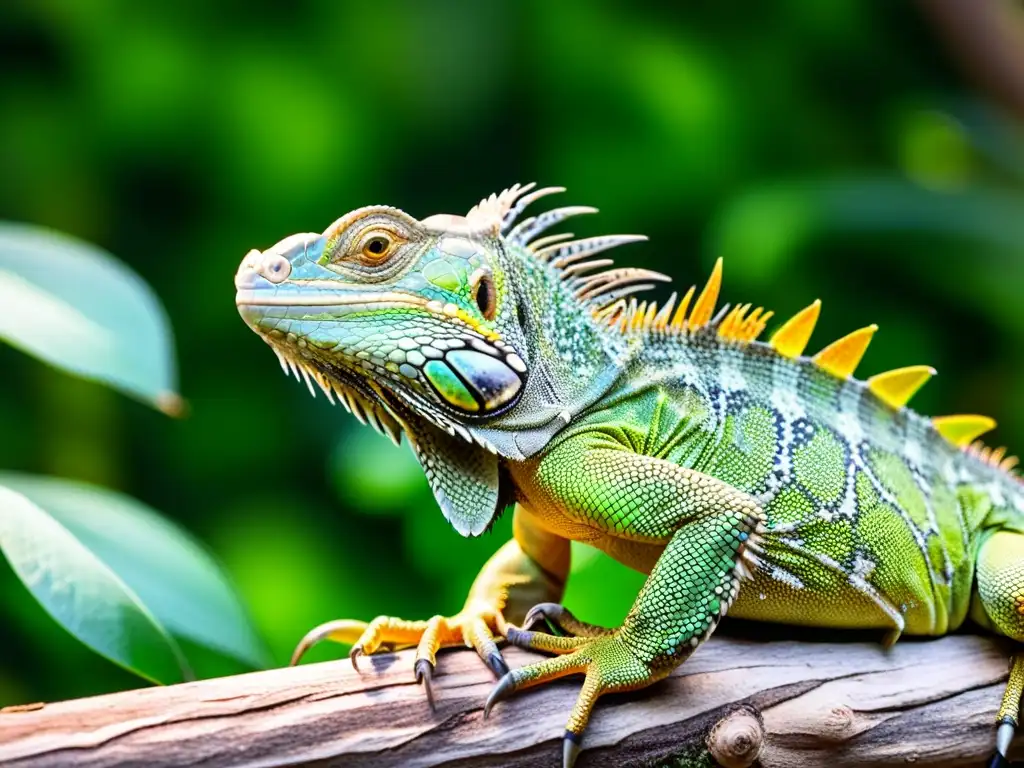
[914,456]
[731,377]
[785,400]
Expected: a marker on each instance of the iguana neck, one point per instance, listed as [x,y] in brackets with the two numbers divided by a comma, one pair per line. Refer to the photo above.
[573,360]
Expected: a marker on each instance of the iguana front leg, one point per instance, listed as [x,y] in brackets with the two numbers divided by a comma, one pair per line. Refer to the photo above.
[708,525]
[530,568]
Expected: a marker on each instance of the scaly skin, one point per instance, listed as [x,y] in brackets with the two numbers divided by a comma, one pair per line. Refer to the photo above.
[678,444]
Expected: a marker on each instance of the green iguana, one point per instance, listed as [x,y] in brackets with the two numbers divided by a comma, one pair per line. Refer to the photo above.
[523,371]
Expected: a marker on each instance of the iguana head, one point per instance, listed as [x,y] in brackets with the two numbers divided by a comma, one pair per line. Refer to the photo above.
[456,330]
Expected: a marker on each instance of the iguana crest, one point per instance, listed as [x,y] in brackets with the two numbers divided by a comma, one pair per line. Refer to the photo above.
[608,293]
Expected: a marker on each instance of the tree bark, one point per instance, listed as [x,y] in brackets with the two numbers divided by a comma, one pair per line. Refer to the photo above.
[786,703]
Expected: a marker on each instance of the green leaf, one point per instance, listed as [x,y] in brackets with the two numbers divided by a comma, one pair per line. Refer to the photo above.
[83,594]
[80,309]
[173,575]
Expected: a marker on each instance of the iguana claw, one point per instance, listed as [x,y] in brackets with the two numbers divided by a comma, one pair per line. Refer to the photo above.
[547,612]
[497,664]
[560,617]
[353,656]
[570,749]
[505,687]
[424,674]
[342,631]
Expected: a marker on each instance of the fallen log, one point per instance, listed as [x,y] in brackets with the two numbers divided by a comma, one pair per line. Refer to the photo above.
[784,703]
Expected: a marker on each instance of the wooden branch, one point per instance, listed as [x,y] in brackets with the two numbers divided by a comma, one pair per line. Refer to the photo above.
[925,703]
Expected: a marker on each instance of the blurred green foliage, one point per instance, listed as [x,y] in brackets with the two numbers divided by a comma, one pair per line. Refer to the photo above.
[825,149]
[120,578]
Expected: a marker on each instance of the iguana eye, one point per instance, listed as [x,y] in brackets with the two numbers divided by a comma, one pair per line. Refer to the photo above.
[376,248]
[484,295]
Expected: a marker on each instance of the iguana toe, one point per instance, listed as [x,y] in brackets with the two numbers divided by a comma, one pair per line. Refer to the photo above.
[542,641]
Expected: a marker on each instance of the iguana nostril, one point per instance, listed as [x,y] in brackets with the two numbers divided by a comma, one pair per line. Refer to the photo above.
[275,268]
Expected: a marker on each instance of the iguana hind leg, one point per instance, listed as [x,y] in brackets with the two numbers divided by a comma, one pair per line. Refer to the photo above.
[531,567]
[999,604]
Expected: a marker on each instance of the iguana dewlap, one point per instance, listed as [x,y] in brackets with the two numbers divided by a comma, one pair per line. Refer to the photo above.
[523,370]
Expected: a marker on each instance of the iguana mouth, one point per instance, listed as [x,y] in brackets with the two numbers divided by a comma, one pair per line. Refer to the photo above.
[259,297]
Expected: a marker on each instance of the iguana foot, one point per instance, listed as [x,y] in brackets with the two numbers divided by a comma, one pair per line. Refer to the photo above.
[475,626]
[607,661]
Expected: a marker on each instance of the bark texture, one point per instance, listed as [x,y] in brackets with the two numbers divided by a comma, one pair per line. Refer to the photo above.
[783,703]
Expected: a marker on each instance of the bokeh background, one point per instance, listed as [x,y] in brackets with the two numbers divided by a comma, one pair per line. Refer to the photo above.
[867,153]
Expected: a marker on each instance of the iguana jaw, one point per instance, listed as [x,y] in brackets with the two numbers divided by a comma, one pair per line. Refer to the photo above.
[358,395]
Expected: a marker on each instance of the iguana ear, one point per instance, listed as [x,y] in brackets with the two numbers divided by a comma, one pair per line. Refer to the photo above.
[463,476]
